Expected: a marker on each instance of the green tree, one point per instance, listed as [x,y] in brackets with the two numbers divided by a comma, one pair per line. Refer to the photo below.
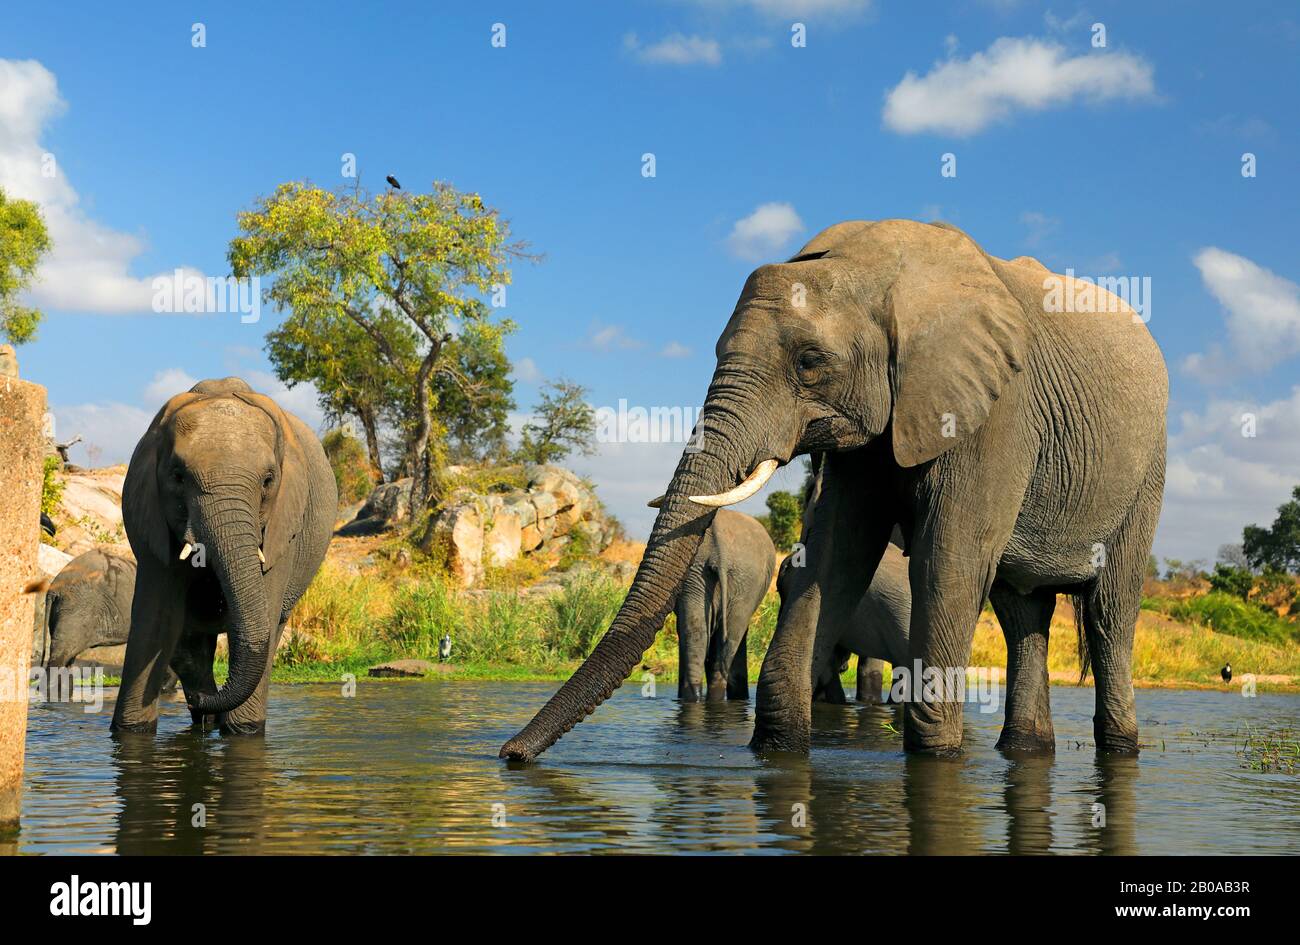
[396,258]
[784,519]
[1232,580]
[475,400]
[1276,547]
[335,354]
[347,457]
[564,422]
[23,241]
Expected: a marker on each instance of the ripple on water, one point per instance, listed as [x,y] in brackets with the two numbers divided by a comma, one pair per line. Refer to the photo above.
[412,768]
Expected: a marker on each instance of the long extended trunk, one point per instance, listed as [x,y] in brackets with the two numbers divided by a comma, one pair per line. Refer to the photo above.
[677,533]
[227,522]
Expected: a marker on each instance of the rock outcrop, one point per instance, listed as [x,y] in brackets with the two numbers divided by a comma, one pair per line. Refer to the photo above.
[473,531]
[554,508]
[90,510]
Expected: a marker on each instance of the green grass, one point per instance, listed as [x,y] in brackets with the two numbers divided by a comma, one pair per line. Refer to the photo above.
[1231,615]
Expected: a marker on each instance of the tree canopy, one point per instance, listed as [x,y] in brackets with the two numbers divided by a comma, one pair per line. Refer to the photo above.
[564,422]
[395,277]
[1278,546]
[23,241]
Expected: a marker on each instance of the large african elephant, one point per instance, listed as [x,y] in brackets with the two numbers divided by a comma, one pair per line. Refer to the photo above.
[1019,443]
[228,504]
[726,583]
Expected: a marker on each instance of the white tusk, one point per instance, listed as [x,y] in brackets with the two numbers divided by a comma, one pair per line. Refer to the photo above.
[753,482]
[185,552]
[261,557]
[656,503]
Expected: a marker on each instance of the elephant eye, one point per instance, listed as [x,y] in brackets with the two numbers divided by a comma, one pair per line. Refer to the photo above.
[270,478]
[811,359]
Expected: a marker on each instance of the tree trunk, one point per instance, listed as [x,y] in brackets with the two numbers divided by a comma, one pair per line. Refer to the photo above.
[371,427]
[427,465]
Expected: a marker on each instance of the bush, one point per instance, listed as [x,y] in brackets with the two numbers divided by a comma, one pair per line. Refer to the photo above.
[784,519]
[580,615]
[1224,613]
[1228,579]
[51,486]
[347,457]
[422,612]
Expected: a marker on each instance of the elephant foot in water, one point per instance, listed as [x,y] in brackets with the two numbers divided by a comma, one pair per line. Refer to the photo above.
[1027,740]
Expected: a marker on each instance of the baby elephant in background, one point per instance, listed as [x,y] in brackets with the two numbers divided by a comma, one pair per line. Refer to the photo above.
[725,584]
[878,630]
[87,604]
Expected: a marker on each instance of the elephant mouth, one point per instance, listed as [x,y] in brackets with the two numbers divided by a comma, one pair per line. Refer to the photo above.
[205,600]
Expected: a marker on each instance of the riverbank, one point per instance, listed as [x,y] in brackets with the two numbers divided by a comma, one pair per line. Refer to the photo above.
[539,626]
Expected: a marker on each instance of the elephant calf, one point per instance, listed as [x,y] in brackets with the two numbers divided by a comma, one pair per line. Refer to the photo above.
[878,630]
[229,504]
[87,605]
[725,584]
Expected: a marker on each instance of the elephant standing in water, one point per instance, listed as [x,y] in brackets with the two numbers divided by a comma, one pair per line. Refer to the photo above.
[229,504]
[87,604]
[1017,440]
[726,583]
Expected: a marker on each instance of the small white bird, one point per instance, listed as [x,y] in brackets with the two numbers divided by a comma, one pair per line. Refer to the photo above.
[444,646]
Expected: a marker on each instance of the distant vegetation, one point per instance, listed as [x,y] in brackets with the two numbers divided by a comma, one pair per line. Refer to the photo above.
[23,242]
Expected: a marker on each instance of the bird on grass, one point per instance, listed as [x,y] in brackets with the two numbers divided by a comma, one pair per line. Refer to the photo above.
[392,182]
[1226,672]
[444,646]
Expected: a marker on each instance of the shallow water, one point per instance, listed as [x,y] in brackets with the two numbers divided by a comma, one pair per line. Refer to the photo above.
[411,767]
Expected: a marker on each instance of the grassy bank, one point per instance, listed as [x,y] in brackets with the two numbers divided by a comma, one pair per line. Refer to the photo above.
[347,622]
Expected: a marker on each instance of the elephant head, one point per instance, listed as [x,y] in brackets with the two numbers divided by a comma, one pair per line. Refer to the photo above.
[221,471]
[88,604]
[893,327]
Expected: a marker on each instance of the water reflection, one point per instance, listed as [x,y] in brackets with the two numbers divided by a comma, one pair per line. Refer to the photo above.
[411,768]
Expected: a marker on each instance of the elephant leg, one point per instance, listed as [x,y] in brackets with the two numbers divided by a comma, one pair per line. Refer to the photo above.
[716,665]
[844,543]
[192,662]
[948,592]
[1110,611]
[692,640]
[738,678]
[250,717]
[1026,623]
[157,618]
[871,680]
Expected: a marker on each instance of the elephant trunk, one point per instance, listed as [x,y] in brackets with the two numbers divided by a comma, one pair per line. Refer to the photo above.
[678,530]
[227,521]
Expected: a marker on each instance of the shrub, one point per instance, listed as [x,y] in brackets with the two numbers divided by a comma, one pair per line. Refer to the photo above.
[51,486]
[581,613]
[1224,613]
[784,519]
[422,612]
[347,457]
[1228,579]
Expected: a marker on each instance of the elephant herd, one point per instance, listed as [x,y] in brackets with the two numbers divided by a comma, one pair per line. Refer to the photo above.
[971,443]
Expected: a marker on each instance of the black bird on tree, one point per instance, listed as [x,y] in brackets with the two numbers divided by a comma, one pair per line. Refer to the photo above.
[1226,672]
[392,182]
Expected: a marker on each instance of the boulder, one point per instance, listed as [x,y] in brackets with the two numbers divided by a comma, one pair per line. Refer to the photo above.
[456,533]
[50,560]
[388,506]
[502,539]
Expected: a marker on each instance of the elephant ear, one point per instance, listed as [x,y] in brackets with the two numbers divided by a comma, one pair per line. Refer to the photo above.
[142,510]
[289,508]
[959,335]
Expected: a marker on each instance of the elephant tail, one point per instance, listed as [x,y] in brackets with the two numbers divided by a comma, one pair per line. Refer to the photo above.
[1080,604]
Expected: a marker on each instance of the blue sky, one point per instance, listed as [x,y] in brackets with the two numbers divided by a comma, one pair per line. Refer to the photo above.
[1123,160]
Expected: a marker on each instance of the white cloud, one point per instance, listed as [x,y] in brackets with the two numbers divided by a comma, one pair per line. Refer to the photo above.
[963,96]
[764,232]
[166,385]
[1040,226]
[1218,481]
[88,268]
[1263,315]
[526,371]
[676,50]
[675,349]
[606,338]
